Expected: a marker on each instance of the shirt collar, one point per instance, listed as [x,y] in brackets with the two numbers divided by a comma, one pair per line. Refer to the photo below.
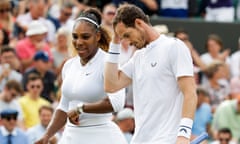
[5,132]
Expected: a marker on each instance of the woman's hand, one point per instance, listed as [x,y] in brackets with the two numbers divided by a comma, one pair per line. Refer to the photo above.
[73,116]
[43,140]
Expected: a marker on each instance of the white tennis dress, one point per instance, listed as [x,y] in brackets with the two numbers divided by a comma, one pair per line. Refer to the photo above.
[84,84]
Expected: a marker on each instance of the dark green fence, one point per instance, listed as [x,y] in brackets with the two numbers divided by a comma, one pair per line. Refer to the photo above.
[199,30]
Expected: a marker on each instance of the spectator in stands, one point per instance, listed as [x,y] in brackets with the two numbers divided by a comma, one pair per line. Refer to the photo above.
[218,10]
[108,14]
[6,18]
[9,55]
[36,12]
[227,116]
[64,19]
[41,67]
[214,45]
[60,51]
[203,114]
[234,87]
[8,63]
[36,132]
[32,101]
[224,136]
[235,61]
[218,90]
[125,121]
[8,99]
[9,133]
[34,42]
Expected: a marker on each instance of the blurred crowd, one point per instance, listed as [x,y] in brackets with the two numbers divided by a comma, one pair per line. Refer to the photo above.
[35,41]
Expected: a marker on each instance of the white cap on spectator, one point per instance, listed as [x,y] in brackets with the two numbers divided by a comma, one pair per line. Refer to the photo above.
[35,28]
[125,114]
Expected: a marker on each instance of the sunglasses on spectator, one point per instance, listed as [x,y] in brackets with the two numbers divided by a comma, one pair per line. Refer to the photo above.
[10,117]
[224,139]
[110,13]
[14,94]
[5,10]
[35,86]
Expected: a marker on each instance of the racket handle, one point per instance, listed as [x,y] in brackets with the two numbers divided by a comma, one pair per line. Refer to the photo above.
[200,138]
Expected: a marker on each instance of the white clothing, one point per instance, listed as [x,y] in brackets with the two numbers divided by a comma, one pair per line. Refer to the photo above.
[154,71]
[84,84]
[102,134]
[26,19]
[36,132]
[235,64]
[14,75]
[222,14]
[174,4]
[14,104]
[207,58]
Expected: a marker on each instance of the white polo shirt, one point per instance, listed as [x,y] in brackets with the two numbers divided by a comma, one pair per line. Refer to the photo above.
[157,98]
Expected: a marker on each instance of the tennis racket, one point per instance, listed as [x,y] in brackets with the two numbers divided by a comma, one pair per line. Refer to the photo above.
[200,138]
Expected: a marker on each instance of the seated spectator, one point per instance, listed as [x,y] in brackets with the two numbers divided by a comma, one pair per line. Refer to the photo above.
[108,14]
[6,18]
[216,85]
[41,68]
[9,133]
[8,99]
[203,115]
[9,55]
[125,121]
[36,132]
[234,87]
[235,61]
[34,42]
[227,116]
[224,136]
[32,101]
[60,51]
[37,9]
[8,64]
[64,19]
[214,46]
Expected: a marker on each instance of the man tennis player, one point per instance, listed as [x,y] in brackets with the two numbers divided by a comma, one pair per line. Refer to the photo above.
[161,73]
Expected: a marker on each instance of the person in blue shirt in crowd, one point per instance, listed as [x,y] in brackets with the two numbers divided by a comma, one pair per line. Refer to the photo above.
[9,133]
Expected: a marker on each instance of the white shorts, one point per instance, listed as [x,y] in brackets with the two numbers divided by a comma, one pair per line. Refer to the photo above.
[223,14]
[108,133]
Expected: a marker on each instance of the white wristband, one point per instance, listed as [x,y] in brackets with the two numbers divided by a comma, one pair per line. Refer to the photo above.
[185,127]
[113,53]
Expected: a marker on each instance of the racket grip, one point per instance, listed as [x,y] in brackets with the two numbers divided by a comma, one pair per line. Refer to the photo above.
[200,138]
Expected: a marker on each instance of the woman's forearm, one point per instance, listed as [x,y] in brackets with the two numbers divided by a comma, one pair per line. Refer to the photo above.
[58,121]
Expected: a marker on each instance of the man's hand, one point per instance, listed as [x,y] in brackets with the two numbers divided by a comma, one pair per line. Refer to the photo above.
[73,116]
[182,140]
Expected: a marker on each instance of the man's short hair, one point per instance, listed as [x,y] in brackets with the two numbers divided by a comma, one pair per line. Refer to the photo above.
[13,84]
[7,49]
[128,13]
[45,107]
[33,76]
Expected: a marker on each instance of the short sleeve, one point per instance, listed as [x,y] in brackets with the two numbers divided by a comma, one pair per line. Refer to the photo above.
[181,60]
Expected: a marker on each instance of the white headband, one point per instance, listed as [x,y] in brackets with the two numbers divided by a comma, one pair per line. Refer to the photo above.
[88,19]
